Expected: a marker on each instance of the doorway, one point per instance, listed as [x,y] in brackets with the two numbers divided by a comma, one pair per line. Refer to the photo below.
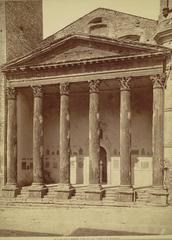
[103,166]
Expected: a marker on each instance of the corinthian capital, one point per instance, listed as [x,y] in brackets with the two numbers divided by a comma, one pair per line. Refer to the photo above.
[158,80]
[11,93]
[125,83]
[37,91]
[64,88]
[94,86]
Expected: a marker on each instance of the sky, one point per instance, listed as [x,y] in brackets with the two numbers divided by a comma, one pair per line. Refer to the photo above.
[59,13]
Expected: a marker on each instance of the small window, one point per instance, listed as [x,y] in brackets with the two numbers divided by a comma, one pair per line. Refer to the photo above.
[96,20]
[130,37]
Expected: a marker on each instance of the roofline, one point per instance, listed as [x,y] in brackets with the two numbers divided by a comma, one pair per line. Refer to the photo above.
[129,44]
[90,13]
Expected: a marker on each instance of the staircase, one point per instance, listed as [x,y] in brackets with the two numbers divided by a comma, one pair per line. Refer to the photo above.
[24,194]
[111,195]
[51,194]
[142,195]
[79,194]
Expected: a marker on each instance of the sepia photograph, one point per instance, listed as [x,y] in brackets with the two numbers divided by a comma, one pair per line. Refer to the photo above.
[85,119]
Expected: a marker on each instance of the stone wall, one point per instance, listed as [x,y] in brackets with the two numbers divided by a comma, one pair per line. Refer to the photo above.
[20,31]
[109,23]
[24,27]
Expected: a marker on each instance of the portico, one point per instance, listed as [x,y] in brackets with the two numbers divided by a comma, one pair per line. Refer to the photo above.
[57,94]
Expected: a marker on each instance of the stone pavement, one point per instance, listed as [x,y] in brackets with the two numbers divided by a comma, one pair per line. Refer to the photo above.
[84,221]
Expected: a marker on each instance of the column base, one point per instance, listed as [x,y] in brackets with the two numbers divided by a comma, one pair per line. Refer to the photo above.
[94,192]
[37,191]
[125,194]
[64,191]
[158,196]
[10,191]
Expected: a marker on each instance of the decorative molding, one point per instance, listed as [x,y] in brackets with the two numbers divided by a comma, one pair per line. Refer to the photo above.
[11,93]
[94,86]
[158,80]
[37,91]
[125,83]
[64,88]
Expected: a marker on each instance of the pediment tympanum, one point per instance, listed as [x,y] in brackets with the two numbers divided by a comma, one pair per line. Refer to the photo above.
[76,48]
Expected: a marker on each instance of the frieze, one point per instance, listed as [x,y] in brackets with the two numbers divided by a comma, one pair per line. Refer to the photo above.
[94,86]
[64,88]
[11,93]
[125,83]
[158,80]
[37,91]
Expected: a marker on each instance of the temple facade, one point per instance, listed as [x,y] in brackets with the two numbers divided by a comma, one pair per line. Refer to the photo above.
[86,114]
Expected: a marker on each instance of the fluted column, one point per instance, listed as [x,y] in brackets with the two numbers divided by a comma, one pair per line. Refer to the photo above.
[11,189]
[126,192]
[94,190]
[38,189]
[64,189]
[158,137]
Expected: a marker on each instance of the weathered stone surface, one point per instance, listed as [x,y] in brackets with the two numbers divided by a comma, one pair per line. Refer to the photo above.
[94,133]
[158,196]
[125,132]
[118,24]
[11,137]
[64,134]
[38,136]
[94,192]
[10,191]
[22,19]
[37,190]
[158,130]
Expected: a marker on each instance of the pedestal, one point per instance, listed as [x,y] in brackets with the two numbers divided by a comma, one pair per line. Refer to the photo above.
[10,191]
[126,194]
[159,196]
[37,191]
[64,191]
[94,192]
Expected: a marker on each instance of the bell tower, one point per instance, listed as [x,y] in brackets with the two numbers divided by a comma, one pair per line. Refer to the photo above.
[21,29]
[164,29]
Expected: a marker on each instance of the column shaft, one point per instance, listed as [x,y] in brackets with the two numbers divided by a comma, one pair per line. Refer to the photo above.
[94,139]
[38,136]
[158,130]
[11,137]
[64,134]
[125,133]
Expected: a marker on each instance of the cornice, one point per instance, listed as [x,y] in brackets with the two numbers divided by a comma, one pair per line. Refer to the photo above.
[149,48]
[26,68]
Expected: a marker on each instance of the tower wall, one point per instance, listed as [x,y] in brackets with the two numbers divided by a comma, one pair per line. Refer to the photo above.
[164,37]
[21,29]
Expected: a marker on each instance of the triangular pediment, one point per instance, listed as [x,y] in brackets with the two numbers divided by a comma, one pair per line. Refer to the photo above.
[76,48]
